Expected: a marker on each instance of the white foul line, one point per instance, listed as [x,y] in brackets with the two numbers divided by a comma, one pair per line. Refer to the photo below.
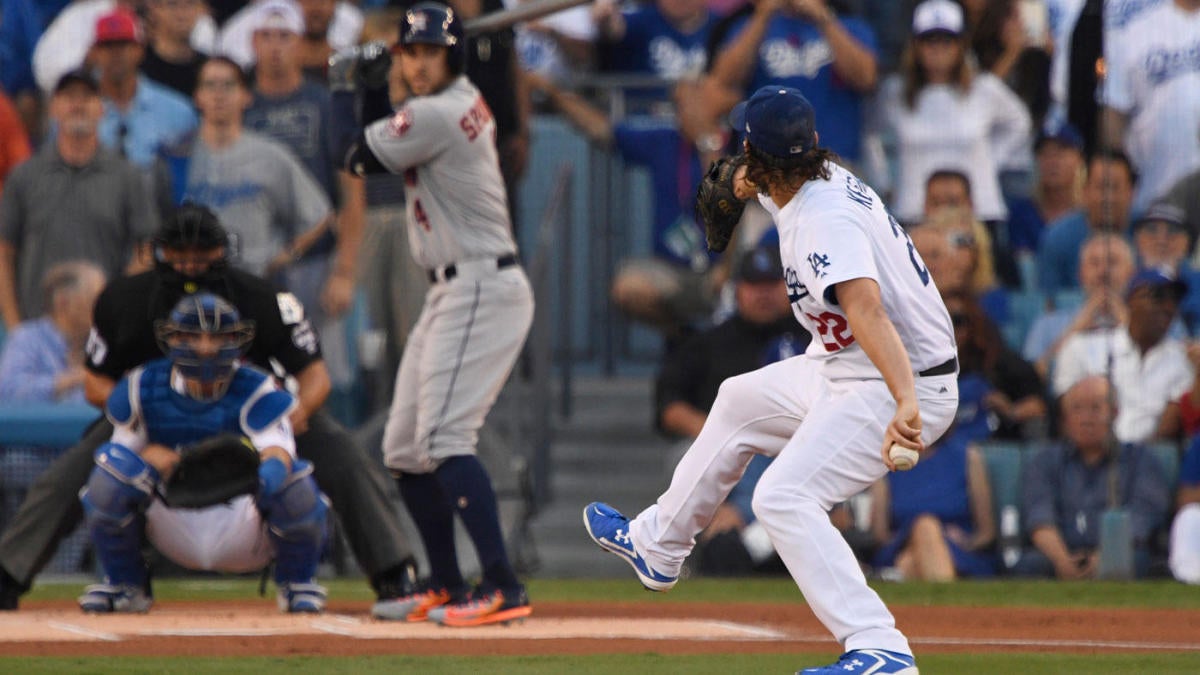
[754,631]
[215,632]
[335,629]
[80,630]
[1091,644]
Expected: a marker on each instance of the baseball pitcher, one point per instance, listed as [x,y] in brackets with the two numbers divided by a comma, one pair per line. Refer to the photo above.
[880,372]
[202,463]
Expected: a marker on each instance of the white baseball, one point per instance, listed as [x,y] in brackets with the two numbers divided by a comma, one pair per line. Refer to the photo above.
[904,458]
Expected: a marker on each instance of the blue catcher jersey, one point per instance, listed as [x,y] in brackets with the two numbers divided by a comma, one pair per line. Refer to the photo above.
[251,404]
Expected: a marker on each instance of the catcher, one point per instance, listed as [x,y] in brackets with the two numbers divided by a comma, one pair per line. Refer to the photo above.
[202,464]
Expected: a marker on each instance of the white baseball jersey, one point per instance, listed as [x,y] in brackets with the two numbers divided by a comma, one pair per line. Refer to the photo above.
[821,415]
[837,230]
[445,146]
[1154,77]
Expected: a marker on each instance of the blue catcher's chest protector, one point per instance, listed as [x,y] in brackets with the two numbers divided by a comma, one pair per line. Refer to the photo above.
[174,419]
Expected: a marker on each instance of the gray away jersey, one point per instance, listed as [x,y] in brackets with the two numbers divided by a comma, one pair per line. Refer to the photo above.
[444,145]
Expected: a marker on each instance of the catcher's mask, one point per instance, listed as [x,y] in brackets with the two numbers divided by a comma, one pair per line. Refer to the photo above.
[205,337]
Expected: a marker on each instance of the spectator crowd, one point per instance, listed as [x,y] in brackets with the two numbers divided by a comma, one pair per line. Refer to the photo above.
[1043,154]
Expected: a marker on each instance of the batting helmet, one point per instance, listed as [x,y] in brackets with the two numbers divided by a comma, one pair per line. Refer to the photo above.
[433,23]
[195,316]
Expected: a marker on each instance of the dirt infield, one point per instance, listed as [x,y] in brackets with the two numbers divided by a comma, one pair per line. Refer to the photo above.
[256,628]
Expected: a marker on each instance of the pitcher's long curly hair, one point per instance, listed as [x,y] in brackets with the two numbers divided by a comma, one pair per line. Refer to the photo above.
[765,171]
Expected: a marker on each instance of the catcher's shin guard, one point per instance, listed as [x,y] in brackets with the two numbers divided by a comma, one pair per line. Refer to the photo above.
[114,499]
[297,516]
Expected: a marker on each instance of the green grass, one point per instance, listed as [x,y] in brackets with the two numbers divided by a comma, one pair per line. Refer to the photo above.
[1148,594]
[996,594]
[614,664]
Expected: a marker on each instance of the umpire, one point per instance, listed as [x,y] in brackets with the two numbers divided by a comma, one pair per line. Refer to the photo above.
[190,255]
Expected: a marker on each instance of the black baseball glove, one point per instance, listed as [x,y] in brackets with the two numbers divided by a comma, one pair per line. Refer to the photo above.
[213,471]
[717,204]
[365,65]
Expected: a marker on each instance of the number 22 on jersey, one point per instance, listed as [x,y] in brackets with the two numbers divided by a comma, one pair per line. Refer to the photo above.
[833,329]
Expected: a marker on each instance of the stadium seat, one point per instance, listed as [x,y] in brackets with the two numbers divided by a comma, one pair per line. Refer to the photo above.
[1023,308]
[1168,455]
[1004,472]
[1068,299]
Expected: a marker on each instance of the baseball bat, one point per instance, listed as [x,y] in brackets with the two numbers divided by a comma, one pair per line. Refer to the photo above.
[527,11]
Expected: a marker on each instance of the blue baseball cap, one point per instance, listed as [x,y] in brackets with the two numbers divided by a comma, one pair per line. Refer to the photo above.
[777,120]
[760,264]
[1060,132]
[1151,277]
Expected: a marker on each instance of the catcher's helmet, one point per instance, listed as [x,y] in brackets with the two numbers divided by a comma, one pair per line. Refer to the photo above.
[181,337]
[433,23]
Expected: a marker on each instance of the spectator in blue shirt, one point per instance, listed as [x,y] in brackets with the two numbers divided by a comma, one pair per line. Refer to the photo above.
[1059,154]
[1107,197]
[804,44]
[1185,531]
[141,116]
[1066,488]
[935,522]
[42,360]
[1105,267]
[676,289]
[22,22]
[666,38]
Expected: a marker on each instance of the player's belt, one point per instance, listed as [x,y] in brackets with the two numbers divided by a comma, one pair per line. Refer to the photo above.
[450,271]
[947,368]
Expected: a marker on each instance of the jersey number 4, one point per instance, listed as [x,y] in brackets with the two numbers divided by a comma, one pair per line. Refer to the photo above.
[833,329]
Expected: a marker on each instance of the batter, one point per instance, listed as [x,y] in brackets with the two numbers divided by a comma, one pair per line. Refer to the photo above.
[881,369]
[472,327]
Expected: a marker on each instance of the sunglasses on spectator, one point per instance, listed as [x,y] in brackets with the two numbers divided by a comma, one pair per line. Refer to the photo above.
[937,39]
[218,85]
[961,240]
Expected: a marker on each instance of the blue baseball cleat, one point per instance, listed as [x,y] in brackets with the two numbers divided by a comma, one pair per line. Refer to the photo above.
[108,598]
[608,528]
[301,598]
[867,662]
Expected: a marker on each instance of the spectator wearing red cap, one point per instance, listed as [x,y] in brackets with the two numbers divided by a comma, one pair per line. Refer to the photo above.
[66,43]
[140,116]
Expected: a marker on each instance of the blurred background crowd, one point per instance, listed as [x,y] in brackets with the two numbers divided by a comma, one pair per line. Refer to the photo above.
[1043,154]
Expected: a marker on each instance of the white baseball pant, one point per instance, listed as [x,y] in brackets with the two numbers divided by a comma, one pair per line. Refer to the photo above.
[224,538]
[457,358]
[826,438]
[1185,545]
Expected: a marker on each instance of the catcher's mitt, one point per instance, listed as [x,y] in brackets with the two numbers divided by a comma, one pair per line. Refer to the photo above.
[717,203]
[212,471]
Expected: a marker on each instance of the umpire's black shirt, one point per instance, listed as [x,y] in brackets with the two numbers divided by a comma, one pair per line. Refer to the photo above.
[695,370]
[122,336]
